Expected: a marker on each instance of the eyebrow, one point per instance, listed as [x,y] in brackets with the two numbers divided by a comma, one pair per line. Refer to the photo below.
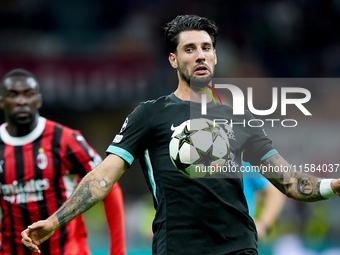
[24,90]
[194,44]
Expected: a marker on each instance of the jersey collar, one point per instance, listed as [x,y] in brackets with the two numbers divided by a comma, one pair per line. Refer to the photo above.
[22,140]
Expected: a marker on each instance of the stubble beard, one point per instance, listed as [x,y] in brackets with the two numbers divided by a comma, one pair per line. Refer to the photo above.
[194,82]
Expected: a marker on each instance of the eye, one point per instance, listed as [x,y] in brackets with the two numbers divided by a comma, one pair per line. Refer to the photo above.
[30,93]
[189,50]
[207,48]
[11,94]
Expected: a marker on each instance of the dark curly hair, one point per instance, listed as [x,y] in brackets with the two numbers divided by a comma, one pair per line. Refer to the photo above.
[185,23]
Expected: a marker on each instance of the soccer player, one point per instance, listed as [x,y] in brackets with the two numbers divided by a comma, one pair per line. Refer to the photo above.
[205,216]
[273,200]
[41,162]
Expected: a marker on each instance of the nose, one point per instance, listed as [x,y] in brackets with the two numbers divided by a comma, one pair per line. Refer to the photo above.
[200,55]
[21,99]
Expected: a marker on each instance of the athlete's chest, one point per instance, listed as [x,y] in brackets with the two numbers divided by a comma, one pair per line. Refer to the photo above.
[168,120]
[39,160]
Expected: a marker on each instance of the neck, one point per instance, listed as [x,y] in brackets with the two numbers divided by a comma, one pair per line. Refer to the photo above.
[21,129]
[186,93]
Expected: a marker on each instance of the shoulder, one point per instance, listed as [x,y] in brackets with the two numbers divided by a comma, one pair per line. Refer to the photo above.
[62,129]
[248,115]
[154,105]
[157,102]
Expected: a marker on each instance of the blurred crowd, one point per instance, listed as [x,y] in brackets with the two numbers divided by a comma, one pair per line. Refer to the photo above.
[97,59]
[76,46]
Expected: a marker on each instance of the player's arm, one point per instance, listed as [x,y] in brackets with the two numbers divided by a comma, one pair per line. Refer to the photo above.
[92,188]
[114,210]
[297,185]
[272,206]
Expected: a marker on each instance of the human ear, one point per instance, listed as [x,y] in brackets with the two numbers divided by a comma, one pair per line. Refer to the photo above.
[39,101]
[173,60]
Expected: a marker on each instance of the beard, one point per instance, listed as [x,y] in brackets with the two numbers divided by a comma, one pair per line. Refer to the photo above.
[25,120]
[24,124]
[194,82]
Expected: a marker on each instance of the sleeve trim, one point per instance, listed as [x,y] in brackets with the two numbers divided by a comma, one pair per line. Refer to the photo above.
[269,154]
[124,154]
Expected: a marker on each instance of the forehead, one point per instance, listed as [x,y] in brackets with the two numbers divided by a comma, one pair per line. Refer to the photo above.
[20,82]
[193,37]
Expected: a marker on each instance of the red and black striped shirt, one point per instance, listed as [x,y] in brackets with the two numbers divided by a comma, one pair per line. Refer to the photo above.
[37,174]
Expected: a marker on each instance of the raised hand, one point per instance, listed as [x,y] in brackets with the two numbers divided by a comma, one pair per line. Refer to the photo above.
[36,234]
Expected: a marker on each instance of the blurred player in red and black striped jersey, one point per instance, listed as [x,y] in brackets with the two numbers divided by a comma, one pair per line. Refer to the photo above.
[41,162]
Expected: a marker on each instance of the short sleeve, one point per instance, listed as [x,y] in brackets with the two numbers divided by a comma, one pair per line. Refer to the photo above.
[132,138]
[81,157]
[258,144]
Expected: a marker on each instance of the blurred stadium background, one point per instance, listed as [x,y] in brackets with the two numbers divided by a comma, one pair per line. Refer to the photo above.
[97,59]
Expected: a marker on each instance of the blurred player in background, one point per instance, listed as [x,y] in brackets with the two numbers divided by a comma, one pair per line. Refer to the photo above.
[194,215]
[273,200]
[41,162]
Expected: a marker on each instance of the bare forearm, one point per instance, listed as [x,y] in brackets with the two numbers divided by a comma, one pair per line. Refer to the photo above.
[92,189]
[297,185]
[89,192]
[273,203]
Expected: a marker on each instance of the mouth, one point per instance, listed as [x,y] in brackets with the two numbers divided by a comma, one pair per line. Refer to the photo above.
[22,114]
[201,70]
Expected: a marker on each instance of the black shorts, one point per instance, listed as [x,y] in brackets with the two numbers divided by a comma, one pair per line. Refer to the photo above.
[244,252]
